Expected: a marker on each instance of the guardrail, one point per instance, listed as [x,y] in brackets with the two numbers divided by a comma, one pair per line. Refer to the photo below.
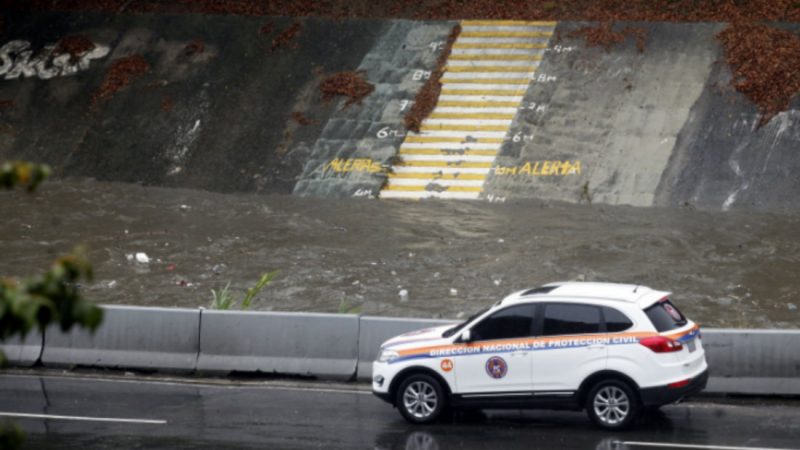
[130,337]
[337,346]
[23,352]
[322,345]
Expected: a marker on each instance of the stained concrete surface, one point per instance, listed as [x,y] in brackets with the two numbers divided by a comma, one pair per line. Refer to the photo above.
[727,269]
[661,127]
[616,112]
[333,416]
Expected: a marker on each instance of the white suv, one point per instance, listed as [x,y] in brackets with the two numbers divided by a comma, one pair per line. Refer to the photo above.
[611,349]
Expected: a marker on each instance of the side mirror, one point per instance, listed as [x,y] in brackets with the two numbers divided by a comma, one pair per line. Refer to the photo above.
[466,336]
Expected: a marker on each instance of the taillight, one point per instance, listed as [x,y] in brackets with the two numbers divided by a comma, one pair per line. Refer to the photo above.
[661,344]
[679,384]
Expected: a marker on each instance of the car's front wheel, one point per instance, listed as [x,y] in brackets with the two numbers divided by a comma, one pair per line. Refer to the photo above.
[420,399]
[612,404]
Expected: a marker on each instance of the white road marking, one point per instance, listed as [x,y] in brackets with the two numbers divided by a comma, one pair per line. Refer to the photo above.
[81,418]
[695,446]
[275,385]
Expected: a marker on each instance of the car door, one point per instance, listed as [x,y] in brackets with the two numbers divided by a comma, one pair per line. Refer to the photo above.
[497,358]
[572,346]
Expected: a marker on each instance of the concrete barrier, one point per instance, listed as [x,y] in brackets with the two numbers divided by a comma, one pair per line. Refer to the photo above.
[373,331]
[753,361]
[339,346]
[23,352]
[130,337]
[323,345]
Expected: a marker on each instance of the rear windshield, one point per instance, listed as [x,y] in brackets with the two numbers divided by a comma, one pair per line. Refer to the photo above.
[665,316]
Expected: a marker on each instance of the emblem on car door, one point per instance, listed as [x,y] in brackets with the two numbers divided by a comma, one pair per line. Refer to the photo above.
[496,367]
[446,365]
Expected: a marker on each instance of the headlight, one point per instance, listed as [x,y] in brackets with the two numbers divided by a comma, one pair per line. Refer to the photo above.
[388,355]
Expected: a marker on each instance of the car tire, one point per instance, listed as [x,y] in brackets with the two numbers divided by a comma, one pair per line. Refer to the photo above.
[421,399]
[612,404]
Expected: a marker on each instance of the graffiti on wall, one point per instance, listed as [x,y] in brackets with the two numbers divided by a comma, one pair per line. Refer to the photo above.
[18,59]
[541,168]
[341,165]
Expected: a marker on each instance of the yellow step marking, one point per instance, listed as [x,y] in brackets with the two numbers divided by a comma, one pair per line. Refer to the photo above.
[425,139]
[499,45]
[467,104]
[392,187]
[458,164]
[485,116]
[444,152]
[508,34]
[449,127]
[470,57]
[498,92]
[486,81]
[509,23]
[463,69]
[438,176]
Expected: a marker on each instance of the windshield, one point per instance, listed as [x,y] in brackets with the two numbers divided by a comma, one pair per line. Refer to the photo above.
[451,331]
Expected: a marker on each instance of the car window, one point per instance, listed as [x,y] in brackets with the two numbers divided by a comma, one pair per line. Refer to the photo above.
[615,320]
[560,318]
[451,331]
[513,322]
[665,316]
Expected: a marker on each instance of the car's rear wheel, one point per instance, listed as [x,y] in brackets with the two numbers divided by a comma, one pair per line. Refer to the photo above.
[612,404]
[420,399]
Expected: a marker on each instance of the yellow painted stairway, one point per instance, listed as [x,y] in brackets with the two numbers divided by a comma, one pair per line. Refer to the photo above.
[487,74]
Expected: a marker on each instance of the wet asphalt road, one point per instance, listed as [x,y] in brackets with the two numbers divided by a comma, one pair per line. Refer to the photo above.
[289,415]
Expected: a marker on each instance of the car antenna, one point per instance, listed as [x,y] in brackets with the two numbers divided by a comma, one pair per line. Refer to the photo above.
[636,289]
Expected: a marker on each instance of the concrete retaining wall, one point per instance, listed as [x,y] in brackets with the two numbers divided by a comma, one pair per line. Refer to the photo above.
[753,361]
[654,128]
[376,330]
[129,337]
[23,352]
[338,346]
[324,345]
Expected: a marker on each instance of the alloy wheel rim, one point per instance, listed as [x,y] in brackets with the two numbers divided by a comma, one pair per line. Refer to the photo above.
[611,405]
[420,399]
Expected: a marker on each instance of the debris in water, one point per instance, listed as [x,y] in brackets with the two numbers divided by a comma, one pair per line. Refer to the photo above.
[453,291]
[142,258]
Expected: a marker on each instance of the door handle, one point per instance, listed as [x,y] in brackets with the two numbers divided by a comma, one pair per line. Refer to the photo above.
[596,347]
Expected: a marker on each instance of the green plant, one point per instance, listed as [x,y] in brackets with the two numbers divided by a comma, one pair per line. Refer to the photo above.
[253,291]
[224,299]
[36,302]
[21,173]
[11,436]
[346,308]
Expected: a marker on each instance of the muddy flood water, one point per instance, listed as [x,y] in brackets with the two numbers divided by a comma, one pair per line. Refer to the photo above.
[394,258]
